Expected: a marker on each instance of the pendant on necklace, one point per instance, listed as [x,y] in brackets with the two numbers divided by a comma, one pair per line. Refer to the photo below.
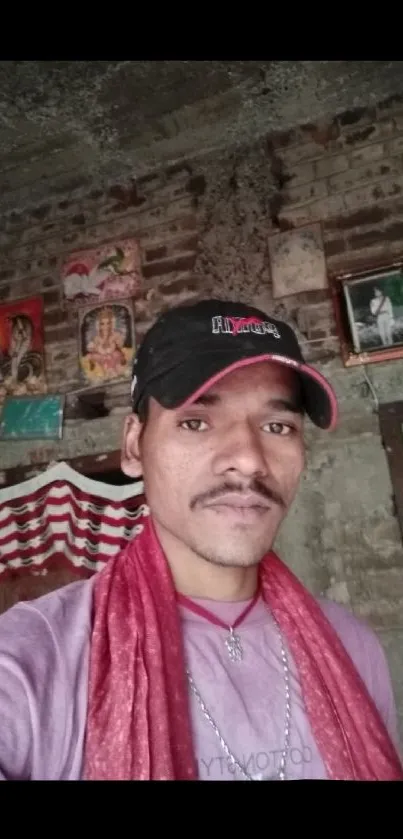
[234,646]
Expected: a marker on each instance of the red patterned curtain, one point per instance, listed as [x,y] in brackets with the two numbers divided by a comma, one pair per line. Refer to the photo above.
[62,523]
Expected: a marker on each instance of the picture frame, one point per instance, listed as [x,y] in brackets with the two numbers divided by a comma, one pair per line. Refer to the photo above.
[368,308]
[32,417]
[107,342]
[22,348]
[109,271]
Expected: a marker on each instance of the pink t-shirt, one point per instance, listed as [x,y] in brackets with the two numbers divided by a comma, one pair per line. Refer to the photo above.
[44,655]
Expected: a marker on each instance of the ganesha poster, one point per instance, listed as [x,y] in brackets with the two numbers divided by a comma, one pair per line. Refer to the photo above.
[22,364]
[108,272]
[106,342]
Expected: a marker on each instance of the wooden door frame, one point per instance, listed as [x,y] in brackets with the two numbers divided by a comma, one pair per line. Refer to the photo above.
[391,427]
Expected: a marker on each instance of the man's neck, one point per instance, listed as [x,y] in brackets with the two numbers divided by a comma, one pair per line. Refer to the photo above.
[196,577]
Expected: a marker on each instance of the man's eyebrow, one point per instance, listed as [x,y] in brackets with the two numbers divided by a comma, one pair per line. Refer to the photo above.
[291,405]
[207,399]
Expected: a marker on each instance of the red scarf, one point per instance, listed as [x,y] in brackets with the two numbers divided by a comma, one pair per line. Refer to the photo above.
[138,725]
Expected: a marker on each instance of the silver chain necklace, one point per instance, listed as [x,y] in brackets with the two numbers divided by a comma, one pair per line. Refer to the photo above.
[280,774]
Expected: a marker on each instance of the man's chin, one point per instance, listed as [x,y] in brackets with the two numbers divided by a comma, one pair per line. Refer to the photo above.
[236,550]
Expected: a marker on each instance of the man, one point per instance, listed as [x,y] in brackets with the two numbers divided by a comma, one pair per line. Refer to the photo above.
[382,310]
[196,653]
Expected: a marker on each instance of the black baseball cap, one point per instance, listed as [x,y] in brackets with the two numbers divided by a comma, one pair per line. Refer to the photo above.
[192,346]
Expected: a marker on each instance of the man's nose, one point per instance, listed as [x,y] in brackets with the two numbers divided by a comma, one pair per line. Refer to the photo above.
[241,451]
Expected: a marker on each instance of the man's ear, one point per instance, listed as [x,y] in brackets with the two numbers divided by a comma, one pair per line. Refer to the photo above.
[130,462]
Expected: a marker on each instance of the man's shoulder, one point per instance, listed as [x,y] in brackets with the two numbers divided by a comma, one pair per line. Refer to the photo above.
[353,630]
[44,654]
[64,612]
[364,646]
[362,643]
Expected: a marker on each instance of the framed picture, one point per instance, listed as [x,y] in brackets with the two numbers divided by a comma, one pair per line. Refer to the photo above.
[106,342]
[32,418]
[22,359]
[111,271]
[369,313]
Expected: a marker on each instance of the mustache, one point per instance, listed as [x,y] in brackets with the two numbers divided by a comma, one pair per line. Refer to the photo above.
[256,486]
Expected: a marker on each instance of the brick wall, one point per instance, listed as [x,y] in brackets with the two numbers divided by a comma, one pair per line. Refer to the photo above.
[33,245]
[203,229]
[347,174]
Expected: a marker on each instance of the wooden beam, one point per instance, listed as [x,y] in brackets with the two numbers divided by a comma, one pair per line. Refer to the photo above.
[391,427]
[87,465]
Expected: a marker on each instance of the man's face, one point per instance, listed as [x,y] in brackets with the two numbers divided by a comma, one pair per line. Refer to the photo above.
[219,476]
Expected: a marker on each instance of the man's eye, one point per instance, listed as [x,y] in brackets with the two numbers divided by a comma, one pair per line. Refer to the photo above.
[278,428]
[194,425]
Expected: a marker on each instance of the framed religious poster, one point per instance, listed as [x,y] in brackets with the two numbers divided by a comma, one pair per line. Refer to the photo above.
[106,342]
[22,364]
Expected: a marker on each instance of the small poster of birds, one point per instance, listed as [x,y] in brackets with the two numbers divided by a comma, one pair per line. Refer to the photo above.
[108,272]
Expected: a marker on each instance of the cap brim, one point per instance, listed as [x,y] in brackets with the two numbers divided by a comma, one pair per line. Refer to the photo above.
[320,401]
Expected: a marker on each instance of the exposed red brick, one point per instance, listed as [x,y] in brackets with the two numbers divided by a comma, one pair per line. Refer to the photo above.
[126,196]
[357,114]
[79,219]
[7,274]
[316,334]
[178,285]
[282,139]
[323,134]
[95,194]
[188,223]
[155,253]
[393,231]
[379,192]
[166,266]
[49,281]
[54,317]
[368,215]
[145,179]
[118,192]
[371,153]
[319,295]
[196,185]
[41,212]
[61,356]
[70,237]
[360,136]
[369,237]
[56,336]
[189,244]
[177,168]
[14,217]
[390,102]
[51,297]
[334,247]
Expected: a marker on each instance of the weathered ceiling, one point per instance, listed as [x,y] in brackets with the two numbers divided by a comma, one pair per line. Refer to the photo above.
[64,124]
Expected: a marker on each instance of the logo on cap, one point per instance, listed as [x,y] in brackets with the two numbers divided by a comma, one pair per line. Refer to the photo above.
[233,326]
